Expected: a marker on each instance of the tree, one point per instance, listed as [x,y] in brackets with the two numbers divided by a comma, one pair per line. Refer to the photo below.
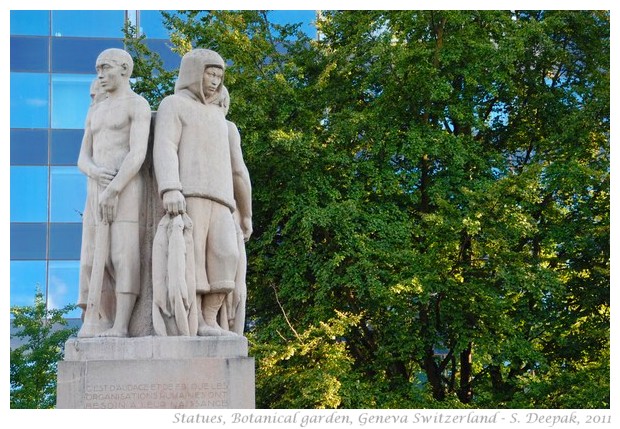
[431,202]
[34,363]
[456,115]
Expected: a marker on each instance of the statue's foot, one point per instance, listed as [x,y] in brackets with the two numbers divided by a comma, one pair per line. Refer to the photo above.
[205,330]
[208,331]
[114,332]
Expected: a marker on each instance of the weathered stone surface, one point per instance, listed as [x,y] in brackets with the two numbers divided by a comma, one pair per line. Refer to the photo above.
[137,167]
[155,348]
[141,323]
[156,372]
[143,168]
[112,153]
[200,171]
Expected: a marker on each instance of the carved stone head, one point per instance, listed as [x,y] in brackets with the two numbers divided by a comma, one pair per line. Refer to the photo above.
[199,69]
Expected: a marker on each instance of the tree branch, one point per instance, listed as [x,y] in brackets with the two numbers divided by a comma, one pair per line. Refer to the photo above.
[288,322]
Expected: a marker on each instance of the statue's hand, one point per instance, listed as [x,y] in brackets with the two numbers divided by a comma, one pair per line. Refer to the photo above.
[108,201]
[104,176]
[174,202]
[246,227]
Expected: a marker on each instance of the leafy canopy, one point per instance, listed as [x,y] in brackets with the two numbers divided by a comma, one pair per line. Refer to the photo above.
[33,367]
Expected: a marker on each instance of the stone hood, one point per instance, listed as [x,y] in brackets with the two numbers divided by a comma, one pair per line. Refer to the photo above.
[192,68]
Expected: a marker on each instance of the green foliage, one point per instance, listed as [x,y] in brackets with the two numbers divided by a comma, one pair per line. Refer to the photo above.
[585,384]
[34,363]
[150,77]
[431,204]
[307,370]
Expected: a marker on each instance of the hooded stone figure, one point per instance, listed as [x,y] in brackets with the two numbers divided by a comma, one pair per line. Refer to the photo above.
[190,79]
[190,126]
[200,174]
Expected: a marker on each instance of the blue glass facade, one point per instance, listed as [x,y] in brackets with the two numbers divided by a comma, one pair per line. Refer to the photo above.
[52,59]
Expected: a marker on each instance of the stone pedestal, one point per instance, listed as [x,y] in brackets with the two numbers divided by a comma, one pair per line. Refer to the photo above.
[156,372]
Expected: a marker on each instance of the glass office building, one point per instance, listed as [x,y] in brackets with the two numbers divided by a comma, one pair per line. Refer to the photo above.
[52,58]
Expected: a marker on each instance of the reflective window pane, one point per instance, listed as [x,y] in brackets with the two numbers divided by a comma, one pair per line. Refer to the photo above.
[65,241]
[28,147]
[29,54]
[28,241]
[68,194]
[28,194]
[66,146]
[88,23]
[79,55]
[26,276]
[132,17]
[30,22]
[151,24]
[70,100]
[29,100]
[63,285]
[171,59]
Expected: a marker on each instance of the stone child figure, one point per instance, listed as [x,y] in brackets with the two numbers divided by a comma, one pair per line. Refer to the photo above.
[198,173]
[97,93]
[113,149]
[232,315]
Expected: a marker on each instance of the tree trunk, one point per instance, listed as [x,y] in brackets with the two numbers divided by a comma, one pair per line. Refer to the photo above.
[433,374]
[465,392]
[432,370]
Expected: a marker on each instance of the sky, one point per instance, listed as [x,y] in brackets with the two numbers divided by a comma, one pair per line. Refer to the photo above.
[306,17]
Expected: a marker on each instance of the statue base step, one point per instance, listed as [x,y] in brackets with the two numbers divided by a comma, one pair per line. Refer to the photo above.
[156,372]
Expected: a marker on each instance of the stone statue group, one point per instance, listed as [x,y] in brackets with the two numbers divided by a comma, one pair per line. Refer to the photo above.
[198,249]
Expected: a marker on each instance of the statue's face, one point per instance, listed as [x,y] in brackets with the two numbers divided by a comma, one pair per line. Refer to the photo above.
[211,80]
[110,73]
[97,93]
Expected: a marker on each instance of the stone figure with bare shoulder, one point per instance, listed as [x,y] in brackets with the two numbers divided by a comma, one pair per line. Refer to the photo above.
[198,173]
[113,149]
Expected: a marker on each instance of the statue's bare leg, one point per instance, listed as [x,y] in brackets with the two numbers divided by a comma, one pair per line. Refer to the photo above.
[125,255]
[124,306]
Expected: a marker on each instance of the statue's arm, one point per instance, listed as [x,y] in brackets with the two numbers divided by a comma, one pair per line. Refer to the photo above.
[241,181]
[85,160]
[165,149]
[86,164]
[168,128]
[139,122]
[140,117]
